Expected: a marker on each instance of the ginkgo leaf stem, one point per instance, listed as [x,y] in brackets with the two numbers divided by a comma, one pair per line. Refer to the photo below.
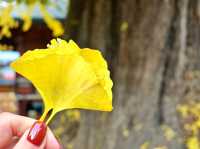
[47,116]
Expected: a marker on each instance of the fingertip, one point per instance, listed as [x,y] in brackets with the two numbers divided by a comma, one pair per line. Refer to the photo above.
[37,133]
[52,142]
[24,143]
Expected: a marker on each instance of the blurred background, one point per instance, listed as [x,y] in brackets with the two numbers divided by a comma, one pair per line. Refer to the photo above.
[153,51]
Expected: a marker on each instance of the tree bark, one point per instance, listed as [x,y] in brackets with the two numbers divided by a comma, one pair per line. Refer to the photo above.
[151,46]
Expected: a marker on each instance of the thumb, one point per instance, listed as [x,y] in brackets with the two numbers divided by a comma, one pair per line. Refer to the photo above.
[34,138]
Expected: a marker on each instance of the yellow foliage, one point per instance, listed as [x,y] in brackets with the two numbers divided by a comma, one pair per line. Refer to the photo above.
[26,16]
[145,145]
[193,143]
[52,23]
[7,22]
[161,147]
[138,126]
[67,77]
[6,47]
[168,132]
[69,146]
[125,132]
[124,26]
[74,115]
[183,109]
[191,113]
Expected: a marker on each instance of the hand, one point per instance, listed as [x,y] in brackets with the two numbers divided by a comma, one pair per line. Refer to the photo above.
[15,133]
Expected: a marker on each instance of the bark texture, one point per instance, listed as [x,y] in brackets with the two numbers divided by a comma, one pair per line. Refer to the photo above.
[151,46]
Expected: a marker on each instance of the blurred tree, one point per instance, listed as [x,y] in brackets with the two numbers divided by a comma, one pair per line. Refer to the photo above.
[153,48]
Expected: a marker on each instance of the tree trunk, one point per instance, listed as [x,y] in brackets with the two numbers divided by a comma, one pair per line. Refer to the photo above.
[151,46]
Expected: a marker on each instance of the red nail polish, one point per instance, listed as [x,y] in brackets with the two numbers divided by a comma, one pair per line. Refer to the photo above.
[37,133]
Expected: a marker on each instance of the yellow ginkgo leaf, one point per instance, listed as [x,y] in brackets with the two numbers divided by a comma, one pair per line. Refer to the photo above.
[67,77]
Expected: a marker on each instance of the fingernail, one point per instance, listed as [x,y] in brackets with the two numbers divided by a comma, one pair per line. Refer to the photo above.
[37,133]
